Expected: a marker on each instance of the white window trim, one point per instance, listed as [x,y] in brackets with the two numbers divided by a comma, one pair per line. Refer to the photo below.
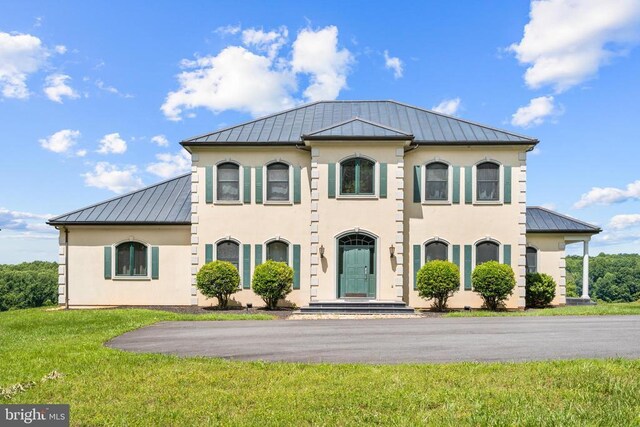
[437,239]
[114,262]
[486,239]
[214,256]
[240,184]
[537,257]
[265,199]
[376,179]
[279,239]
[449,200]
[474,183]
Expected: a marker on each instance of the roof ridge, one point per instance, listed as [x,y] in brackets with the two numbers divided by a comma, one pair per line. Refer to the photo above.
[360,119]
[565,217]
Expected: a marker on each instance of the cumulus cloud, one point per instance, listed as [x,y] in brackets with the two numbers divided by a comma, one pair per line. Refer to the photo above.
[609,195]
[160,140]
[567,41]
[81,153]
[535,112]
[20,56]
[24,221]
[110,89]
[448,106]
[112,144]
[170,165]
[111,177]
[393,63]
[56,87]
[61,141]
[620,222]
[228,29]
[270,41]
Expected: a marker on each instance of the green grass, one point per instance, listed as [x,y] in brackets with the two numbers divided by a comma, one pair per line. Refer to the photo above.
[600,309]
[111,387]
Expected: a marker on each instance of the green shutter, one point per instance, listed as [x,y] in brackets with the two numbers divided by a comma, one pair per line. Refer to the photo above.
[468,186]
[417,183]
[456,255]
[467,267]
[297,184]
[208,253]
[208,177]
[258,254]
[383,180]
[416,265]
[507,255]
[296,266]
[107,262]
[258,184]
[456,185]
[507,185]
[246,266]
[155,262]
[332,181]
[247,184]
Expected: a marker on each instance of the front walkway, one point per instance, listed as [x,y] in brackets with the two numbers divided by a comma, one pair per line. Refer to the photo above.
[394,340]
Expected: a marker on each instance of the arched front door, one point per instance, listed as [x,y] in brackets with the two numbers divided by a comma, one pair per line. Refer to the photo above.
[356,266]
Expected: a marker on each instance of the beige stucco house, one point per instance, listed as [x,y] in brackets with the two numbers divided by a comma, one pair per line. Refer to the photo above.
[355,195]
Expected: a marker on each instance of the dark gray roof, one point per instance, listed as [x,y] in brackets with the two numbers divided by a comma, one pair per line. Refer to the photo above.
[358,128]
[168,202]
[542,220]
[427,127]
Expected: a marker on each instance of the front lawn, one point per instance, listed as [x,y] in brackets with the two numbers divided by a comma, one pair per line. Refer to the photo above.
[602,308]
[111,387]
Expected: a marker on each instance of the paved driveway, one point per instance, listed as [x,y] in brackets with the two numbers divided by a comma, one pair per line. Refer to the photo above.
[394,340]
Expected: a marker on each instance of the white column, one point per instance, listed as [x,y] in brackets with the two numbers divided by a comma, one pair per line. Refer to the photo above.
[585,269]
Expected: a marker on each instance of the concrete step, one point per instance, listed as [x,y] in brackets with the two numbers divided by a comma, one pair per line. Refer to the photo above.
[357,307]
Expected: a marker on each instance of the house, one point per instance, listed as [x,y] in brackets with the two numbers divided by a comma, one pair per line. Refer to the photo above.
[355,195]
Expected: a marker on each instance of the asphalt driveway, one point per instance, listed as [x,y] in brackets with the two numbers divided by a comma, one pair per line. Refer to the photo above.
[388,341]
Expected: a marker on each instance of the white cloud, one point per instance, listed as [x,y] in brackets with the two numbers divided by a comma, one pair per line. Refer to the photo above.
[56,87]
[393,63]
[20,56]
[269,42]
[623,221]
[448,106]
[24,222]
[228,29]
[60,49]
[61,141]
[160,140]
[81,153]
[609,195]
[112,143]
[567,41]
[114,178]
[536,112]
[171,165]
[110,89]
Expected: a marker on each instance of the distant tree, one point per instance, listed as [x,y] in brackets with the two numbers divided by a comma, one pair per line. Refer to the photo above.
[27,285]
[613,277]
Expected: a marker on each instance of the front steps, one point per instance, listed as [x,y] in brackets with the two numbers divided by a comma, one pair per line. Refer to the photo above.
[357,307]
[579,301]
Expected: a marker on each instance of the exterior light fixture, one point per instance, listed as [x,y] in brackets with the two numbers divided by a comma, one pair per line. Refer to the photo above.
[392,250]
[321,251]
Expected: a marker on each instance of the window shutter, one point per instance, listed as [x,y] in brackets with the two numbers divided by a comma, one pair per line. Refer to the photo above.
[467,267]
[208,253]
[258,254]
[107,262]
[258,184]
[296,266]
[456,255]
[507,185]
[468,186]
[246,266]
[332,181]
[416,265]
[155,262]
[383,180]
[247,184]
[297,184]
[417,181]
[506,259]
[208,177]
[456,186]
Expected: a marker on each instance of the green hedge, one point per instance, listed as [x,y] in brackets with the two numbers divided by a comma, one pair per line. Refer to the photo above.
[272,281]
[541,289]
[494,282]
[218,279]
[28,285]
[438,280]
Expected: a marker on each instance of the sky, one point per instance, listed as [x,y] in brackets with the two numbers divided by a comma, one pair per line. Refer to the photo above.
[95,96]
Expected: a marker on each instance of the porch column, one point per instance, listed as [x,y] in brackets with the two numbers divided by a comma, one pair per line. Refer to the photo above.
[585,269]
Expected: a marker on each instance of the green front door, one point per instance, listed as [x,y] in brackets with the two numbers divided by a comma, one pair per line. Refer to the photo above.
[357,278]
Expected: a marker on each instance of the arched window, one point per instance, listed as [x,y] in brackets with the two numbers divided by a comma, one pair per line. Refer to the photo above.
[229,250]
[532,260]
[436,251]
[437,177]
[278,182]
[488,182]
[278,251]
[131,259]
[228,182]
[357,176]
[486,251]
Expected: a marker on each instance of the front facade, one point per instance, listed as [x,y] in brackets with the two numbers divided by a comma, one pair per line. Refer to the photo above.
[354,195]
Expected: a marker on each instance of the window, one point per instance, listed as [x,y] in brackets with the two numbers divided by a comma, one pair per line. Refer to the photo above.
[437,178]
[278,182]
[278,251]
[488,180]
[229,251]
[532,260]
[228,182]
[357,176]
[486,251]
[131,259]
[436,251]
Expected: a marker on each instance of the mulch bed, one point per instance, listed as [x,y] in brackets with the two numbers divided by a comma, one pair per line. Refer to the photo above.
[281,313]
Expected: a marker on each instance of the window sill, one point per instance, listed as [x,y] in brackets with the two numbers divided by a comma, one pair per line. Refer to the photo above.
[228,203]
[278,202]
[357,197]
[131,278]
[436,202]
[487,203]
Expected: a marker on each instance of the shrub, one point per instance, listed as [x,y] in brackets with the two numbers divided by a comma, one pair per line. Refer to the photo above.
[494,282]
[541,289]
[219,279]
[272,281]
[438,280]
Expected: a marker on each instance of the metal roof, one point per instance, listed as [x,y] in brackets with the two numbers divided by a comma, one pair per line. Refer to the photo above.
[542,220]
[358,128]
[168,202]
[427,127]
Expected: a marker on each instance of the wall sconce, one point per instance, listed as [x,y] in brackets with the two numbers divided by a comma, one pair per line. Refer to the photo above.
[392,250]
[321,251]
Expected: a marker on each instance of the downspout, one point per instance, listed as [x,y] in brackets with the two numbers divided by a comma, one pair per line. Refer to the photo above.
[66,267]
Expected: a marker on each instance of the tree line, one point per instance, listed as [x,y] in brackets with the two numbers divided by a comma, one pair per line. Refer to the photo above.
[612,277]
[30,284]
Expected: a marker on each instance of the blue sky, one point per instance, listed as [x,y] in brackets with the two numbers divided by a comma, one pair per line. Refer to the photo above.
[95,96]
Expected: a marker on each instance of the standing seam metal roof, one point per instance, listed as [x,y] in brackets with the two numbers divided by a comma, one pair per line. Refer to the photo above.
[542,220]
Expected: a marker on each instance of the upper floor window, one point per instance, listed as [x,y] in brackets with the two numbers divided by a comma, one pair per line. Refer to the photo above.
[228,182]
[278,182]
[436,251]
[278,251]
[532,260]
[357,176]
[486,251]
[488,181]
[229,250]
[131,259]
[437,177]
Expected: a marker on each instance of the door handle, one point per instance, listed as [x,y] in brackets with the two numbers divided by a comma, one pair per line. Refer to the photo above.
[365,271]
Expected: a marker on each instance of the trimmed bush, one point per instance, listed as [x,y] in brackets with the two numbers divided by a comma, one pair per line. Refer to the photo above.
[494,282]
[219,279]
[272,281]
[541,289]
[438,280]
